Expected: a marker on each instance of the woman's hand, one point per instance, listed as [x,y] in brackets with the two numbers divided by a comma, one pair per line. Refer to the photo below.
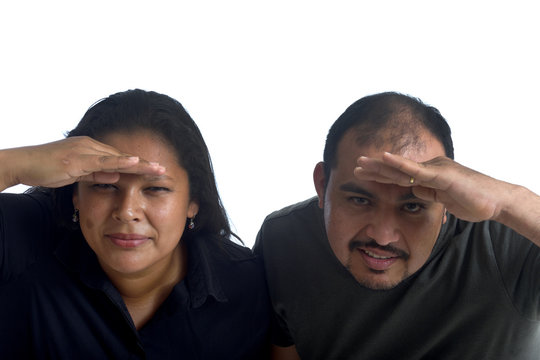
[67,161]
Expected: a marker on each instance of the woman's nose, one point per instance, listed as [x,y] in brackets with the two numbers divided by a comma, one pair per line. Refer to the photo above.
[128,207]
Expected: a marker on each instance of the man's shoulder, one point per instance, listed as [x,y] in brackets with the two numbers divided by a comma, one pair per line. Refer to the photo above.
[298,223]
[306,208]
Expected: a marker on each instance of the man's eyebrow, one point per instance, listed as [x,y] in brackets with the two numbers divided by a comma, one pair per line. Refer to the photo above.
[350,187]
[410,196]
[353,188]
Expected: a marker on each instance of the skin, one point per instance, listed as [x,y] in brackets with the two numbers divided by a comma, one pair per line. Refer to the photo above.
[67,161]
[134,225]
[382,233]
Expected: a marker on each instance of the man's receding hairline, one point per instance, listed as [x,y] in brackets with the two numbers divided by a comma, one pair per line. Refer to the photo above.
[402,128]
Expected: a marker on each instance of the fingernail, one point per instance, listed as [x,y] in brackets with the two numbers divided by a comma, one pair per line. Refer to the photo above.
[157,166]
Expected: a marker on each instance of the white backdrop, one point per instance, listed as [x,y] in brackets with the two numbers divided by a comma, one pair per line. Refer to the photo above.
[265,80]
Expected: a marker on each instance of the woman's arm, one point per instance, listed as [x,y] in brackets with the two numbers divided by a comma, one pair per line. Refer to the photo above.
[67,161]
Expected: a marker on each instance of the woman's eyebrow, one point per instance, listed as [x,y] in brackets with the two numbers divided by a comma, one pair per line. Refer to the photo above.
[157,177]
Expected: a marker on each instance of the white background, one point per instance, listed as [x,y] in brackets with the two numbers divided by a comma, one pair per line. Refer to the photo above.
[265,80]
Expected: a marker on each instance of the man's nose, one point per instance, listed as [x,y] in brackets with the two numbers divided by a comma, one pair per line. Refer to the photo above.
[383,229]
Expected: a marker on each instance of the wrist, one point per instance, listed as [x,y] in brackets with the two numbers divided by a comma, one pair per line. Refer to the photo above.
[508,199]
[522,213]
[11,160]
[6,175]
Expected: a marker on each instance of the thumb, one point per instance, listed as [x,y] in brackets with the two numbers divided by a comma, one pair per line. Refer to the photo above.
[425,193]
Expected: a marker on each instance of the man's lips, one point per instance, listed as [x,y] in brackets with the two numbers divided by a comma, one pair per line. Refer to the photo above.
[378,261]
[127,240]
[378,257]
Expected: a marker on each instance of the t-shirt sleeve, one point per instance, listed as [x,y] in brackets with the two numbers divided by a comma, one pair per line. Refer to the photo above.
[25,231]
[519,263]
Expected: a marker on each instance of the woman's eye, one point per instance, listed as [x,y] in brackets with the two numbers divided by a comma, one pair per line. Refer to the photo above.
[103,186]
[158,189]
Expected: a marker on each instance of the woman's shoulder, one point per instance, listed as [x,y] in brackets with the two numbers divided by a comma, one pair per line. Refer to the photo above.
[228,265]
[26,231]
[223,249]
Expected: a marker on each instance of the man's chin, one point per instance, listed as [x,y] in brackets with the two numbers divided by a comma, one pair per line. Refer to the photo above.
[377,280]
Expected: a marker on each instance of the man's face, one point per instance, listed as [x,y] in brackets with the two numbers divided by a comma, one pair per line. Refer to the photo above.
[382,233]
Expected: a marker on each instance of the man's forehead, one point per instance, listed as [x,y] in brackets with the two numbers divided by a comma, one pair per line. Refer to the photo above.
[418,146]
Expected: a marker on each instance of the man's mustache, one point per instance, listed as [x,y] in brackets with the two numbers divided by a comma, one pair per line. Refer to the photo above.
[373,245]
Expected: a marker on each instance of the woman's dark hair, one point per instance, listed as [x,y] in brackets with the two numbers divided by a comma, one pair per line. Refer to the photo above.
[135,110]
[377,112]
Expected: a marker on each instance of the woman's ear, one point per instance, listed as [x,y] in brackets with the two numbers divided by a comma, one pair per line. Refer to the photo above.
[75,197]
[193,209]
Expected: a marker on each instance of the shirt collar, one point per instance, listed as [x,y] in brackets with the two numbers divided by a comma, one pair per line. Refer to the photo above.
[203,276]
[75,254]
[202,280]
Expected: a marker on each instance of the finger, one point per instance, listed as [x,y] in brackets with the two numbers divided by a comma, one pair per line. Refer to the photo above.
[375,170]
[425,193]
[102,177]
[438,173]
[89,164]
[367,175]
[406,166]
[141,167]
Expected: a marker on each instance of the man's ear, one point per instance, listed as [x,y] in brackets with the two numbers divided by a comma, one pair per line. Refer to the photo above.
[320,182]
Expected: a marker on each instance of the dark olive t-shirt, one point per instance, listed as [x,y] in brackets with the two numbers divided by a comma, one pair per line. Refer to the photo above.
[477,297]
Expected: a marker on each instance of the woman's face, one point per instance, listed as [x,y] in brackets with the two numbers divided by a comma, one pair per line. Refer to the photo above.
[135,225]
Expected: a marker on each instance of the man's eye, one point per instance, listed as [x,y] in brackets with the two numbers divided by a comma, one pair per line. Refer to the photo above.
[359,200]
[413,207]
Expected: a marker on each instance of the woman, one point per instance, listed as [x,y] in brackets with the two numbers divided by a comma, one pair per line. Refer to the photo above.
[138,261]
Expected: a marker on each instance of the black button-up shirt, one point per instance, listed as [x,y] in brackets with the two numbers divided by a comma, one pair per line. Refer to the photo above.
[60,304]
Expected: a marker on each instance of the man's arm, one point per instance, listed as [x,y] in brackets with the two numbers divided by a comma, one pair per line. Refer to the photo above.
[466,193]
[522,213]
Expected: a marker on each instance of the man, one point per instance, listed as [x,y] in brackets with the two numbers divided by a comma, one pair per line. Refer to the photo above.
[404,253]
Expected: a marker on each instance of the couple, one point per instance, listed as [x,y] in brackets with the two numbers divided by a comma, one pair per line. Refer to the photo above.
[123,249]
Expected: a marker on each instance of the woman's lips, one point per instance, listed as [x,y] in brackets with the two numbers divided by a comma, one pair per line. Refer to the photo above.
[128,240]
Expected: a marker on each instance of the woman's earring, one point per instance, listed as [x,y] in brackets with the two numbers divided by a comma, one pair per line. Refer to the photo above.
[75,217]
[191,225]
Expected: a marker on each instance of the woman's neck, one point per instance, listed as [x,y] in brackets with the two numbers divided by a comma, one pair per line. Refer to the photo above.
[144,292]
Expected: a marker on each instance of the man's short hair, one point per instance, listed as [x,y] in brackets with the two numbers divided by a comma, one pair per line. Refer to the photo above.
[402,115]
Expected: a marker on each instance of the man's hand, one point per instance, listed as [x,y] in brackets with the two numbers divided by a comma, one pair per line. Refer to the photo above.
[466,193]
[67,161]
